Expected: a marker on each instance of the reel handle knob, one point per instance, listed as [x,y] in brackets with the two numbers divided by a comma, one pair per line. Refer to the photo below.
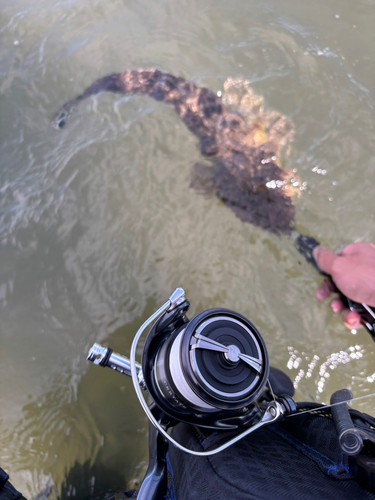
[350,440]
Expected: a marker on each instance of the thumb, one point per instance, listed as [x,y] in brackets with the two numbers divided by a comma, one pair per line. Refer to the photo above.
[324,258]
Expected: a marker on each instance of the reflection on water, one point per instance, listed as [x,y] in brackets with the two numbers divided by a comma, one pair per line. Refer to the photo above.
[98,224]
[312,366]
[67,442]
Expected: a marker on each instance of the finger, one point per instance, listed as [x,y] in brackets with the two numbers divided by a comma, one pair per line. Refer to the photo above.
[352,320]
[325,290]
[324,258]
[337,306]
[361,247]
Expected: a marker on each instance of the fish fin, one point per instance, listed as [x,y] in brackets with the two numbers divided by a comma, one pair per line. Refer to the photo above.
[203,179]
[209,146]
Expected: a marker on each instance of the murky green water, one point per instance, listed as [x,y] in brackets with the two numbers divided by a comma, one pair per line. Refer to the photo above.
[98,224]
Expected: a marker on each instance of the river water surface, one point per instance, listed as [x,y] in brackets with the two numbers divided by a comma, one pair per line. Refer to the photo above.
[98,224]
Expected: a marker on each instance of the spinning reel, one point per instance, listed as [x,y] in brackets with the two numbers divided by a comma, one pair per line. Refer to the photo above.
[209,371]
[213,372]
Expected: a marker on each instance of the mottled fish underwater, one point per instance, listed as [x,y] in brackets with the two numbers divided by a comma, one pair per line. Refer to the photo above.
[244,142]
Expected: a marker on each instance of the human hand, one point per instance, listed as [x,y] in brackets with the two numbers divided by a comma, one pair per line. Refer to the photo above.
[353,273]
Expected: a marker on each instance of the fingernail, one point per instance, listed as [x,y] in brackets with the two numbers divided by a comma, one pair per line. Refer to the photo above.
[352,320]
[336,306]
[316,252]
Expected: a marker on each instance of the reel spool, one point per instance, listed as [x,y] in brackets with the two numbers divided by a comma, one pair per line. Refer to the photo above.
[208,369]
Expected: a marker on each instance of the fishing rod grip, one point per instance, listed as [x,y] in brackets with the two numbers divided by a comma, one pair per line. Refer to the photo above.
[305,246]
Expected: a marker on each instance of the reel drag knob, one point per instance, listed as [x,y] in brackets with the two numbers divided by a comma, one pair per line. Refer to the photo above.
[226,362]
[218,361]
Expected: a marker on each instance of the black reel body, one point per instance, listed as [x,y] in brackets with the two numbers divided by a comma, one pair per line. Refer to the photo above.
[208,371]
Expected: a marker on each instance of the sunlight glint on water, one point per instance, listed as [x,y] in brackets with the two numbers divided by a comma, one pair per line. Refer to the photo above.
[98,223]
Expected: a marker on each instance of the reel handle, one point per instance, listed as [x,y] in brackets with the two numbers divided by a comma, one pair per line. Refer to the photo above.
[350,441]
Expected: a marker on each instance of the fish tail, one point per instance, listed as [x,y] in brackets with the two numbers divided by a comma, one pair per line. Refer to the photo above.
[197,107]
[147,82]
[110,83]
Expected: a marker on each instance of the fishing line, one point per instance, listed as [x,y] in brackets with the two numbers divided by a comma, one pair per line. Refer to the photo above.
[333,404]
[272,393]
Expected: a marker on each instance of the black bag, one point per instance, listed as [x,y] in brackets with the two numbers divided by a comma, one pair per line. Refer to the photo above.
[7,491]
[298,459]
